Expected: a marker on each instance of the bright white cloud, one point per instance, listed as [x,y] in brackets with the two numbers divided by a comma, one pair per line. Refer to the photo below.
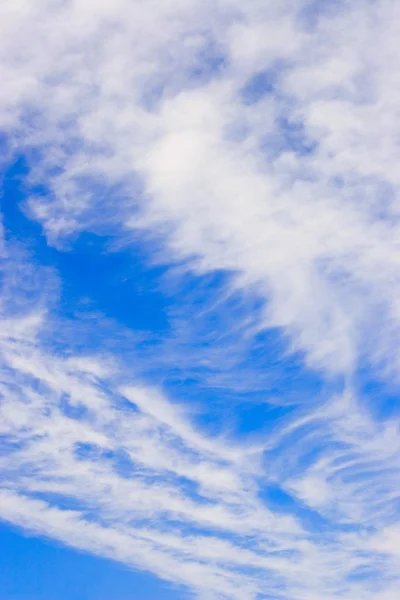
[150,97]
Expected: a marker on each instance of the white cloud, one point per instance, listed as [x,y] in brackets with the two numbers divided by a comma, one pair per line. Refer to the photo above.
[149,96]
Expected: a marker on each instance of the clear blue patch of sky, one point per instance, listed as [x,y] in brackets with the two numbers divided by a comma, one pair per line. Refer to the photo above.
[36,569]
[93,278]
[383,397]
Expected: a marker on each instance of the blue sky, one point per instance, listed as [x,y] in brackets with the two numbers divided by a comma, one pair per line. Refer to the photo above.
[200,317]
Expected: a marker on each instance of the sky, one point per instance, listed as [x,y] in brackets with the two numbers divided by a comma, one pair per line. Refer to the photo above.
[200,300]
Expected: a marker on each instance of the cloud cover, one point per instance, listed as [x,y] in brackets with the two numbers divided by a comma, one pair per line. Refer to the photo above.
[258,139]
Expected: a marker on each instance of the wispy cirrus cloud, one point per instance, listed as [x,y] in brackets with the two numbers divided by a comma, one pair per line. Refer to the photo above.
[112,466]
[250,139]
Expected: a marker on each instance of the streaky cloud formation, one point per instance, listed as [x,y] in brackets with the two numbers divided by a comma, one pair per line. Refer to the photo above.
[250,150]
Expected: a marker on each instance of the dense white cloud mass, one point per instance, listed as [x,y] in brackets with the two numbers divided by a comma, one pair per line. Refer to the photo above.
[259,138]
